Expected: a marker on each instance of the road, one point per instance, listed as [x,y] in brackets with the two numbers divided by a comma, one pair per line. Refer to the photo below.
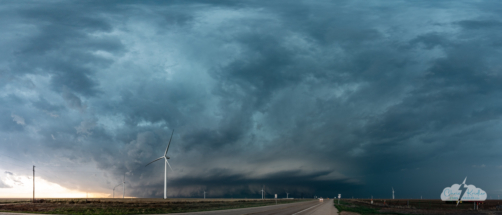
[301,208]
[313,207]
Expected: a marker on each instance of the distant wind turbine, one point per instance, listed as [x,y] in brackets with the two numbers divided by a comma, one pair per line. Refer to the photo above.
[114,190]
[262,192]
[166,163]
[123,192]
[392,193]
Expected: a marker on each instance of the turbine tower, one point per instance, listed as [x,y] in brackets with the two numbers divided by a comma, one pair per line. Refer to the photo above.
[123,192]
[166,163]
[204,194]
[392,193]
[262,193]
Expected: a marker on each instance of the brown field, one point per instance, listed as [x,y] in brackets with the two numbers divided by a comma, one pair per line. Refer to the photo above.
[129,205]
[417,206]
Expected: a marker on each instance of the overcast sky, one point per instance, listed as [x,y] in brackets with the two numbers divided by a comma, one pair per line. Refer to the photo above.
[306,97]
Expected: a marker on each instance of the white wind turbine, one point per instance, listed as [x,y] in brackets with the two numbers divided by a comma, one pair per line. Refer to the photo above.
[392,193]
[166,163]
[123,183]
[114,190]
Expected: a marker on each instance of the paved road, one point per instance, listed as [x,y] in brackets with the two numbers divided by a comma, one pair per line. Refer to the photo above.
[302,208]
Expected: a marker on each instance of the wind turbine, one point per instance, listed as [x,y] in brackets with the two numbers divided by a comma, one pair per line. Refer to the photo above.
[166,163]
[262,193]
[392,193]
[123,192]
[204,194]
[114,190]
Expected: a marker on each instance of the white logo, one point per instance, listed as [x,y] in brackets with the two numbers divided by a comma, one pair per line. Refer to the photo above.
[463,193]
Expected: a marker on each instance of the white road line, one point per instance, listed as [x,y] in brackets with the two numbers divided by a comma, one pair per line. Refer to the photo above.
[307,209]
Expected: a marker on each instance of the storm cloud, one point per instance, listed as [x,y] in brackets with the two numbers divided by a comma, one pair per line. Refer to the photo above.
[305,97]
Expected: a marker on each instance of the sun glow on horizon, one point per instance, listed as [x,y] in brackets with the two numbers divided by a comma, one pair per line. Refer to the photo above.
[22,187]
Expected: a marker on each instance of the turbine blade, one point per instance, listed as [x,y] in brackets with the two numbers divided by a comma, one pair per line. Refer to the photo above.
[169,143]
[154,160]
[169,165]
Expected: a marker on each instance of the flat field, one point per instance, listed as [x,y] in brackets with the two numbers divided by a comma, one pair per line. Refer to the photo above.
[416,206]
[130,205]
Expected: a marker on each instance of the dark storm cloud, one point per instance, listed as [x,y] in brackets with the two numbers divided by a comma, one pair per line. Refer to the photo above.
[62,44]
[480,24]
[73,101]
[242,186]
[312,98]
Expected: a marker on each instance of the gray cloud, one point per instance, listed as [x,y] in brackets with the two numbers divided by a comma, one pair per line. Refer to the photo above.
[19,120]
[3,185]
[73,101]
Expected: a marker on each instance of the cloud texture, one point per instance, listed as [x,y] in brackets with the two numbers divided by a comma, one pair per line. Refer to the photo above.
[305,97]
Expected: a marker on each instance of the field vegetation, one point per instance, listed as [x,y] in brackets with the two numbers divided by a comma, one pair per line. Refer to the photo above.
[350,207]
[130,206]
[416,206]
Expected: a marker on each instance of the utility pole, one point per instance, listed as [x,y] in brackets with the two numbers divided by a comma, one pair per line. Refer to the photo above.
[33,183]
[204,194]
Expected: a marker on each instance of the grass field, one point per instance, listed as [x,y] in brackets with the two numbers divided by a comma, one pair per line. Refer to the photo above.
[348,206]
[130,206]
[416,206]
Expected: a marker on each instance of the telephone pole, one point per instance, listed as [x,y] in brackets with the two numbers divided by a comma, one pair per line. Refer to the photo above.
[33,183]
